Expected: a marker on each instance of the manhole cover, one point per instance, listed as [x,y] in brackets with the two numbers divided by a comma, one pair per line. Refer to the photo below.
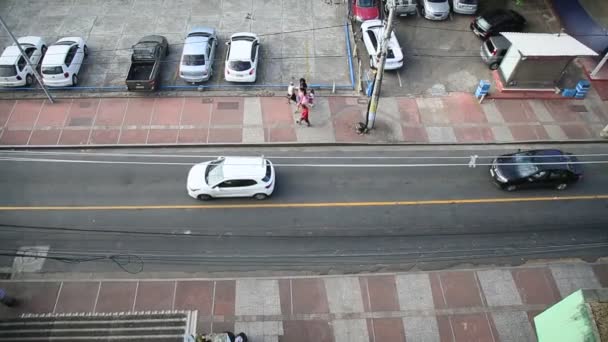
[578,108]
[80,122]
[227,105]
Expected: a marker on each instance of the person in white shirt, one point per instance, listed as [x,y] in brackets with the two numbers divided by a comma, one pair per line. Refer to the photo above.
[291,94]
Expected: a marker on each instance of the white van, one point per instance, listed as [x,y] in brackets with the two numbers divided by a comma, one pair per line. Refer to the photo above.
[465,6]
[402,7]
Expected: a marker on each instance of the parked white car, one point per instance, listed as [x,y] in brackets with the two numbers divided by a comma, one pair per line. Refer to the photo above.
[62,62]
[232,177]
[373,33]
[14,70]
[242,57]
[198,55]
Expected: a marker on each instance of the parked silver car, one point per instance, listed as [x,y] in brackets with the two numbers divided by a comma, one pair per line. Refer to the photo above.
[493,50]
[199,52]
[434,9]
[468,7]
[402,7]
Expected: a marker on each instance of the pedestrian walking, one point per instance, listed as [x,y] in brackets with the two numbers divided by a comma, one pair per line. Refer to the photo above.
[311,98]
[302,99]
[304,116]
[291,93]
[303,84]
[6,299]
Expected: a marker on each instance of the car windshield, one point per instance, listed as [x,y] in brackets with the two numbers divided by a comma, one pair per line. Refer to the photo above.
[483,24]
[436,0]
[525,166]
[194,60]
[469,2]
[7,70]
[52,70]
[365,3]
[215,172]
[144,50]
[239,65]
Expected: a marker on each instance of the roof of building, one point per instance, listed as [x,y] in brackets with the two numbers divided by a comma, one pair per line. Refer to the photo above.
[547,44]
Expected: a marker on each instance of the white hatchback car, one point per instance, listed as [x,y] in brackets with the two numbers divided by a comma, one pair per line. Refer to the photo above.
[373,33]
[14,70]
[232,177]
[62,62]
[242,57]
[198,55]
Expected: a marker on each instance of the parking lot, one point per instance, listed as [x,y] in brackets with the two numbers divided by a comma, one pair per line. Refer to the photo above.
[293,45]
[443,56]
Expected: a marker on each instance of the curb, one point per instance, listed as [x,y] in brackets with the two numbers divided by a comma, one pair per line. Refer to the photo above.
[292,144]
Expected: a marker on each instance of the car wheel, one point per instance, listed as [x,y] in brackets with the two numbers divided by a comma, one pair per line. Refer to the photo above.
[511,188]
[86,51]
[260,196]
[494,66]
[204,197]
[43,49]
[74,80]
[562,186]
[29,79]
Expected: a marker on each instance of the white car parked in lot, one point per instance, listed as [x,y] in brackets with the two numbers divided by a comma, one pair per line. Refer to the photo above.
[198,55]
[242,57]
[62,62]
[373,33]
[232,177]
[14,70]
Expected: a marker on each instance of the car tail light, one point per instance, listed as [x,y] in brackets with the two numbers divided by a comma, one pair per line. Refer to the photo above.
[66,74]
[251,71]
[19,78]
[494,52]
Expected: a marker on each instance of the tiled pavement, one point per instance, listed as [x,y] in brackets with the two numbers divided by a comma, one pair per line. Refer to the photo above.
[456,118]
[460,305]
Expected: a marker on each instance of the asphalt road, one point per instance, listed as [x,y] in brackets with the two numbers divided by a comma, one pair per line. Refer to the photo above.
[335,209]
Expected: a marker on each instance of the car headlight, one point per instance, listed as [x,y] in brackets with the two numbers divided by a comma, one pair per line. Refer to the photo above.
[500,178]
[358,18]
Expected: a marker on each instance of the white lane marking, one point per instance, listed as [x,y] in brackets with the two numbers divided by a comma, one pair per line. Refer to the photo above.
[142,155]
[399,78]
[78,161]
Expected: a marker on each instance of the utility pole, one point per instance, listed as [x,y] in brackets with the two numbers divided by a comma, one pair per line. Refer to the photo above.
[373,104]
[27,60]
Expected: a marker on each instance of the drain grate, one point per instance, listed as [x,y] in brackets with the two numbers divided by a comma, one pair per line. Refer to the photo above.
[578,108]
[227,105]
[80,122]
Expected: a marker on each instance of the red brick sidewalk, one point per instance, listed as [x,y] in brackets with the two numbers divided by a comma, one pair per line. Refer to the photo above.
[456,118]
[466,305]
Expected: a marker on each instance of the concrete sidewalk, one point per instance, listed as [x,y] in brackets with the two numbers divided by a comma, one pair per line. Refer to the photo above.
[454,118]
[458,305]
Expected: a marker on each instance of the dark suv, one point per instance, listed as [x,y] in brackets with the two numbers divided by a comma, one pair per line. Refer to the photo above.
[535,168]
[493,22]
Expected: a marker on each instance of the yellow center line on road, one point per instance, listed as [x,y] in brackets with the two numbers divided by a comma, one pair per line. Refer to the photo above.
[305,205]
